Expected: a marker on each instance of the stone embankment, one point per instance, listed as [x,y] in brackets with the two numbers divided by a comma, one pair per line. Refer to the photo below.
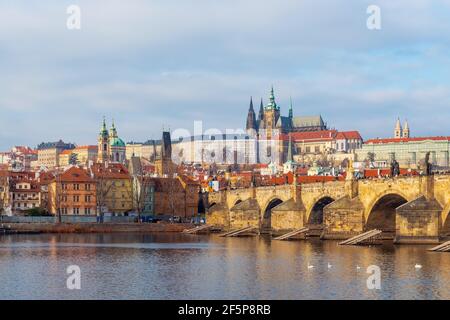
[97,227]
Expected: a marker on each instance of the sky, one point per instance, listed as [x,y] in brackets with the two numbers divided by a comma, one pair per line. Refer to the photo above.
[163,64]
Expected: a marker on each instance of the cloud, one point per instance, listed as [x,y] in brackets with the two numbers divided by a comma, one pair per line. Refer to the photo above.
[159,63]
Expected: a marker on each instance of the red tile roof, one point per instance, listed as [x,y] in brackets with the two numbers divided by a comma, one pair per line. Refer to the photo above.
[112,171]
[75,174]
[324,135]
[349,135]
[405,140]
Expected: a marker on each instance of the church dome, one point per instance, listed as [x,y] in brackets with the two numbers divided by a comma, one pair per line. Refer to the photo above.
[116,142]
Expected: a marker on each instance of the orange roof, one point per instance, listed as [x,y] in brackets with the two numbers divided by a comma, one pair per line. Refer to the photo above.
[67,152]
[349,135]
[403,140]
[323,135]
[75,174]
[310,135]
[112,171]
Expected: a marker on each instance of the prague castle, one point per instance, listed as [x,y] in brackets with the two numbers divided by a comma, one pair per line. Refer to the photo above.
[270,121]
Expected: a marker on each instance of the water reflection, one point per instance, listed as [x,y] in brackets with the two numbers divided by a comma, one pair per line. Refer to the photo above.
[179,266]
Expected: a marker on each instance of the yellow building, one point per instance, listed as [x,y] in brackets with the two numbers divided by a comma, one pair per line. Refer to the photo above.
[82,155]
[49,153]
[114,188]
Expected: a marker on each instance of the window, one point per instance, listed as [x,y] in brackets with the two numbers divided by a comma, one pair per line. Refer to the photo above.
[317,149]
[308,149]
[76,210]
[87,198]
[87,210]
[87,186]
[76,198]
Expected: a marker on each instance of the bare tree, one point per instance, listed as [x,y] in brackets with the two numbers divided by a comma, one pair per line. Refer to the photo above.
[140,192]
[104,187]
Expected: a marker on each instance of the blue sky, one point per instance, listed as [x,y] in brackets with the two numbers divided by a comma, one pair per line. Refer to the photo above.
[166,63]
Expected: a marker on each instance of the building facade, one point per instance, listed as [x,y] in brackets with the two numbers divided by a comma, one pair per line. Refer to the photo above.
[73,192]
[25,194]
[114,188]
[48,153]
[409,152]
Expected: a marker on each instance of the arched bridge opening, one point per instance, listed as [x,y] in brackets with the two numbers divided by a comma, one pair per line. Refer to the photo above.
[315,219]
[383,215]
[266,224]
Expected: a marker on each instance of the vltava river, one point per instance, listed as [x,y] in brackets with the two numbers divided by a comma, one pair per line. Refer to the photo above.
[178,266]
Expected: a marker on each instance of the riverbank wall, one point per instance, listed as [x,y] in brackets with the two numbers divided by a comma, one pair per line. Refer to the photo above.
[97,227]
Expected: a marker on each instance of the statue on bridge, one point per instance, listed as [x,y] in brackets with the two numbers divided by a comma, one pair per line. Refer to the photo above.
[428,165]
[395,168]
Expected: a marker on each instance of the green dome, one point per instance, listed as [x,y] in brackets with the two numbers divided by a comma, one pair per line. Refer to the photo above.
[117,142]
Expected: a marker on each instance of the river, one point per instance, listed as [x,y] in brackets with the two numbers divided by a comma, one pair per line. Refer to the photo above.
[180,266]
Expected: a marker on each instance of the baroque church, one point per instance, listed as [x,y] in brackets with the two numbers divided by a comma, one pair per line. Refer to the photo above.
[271,123]
[110,147]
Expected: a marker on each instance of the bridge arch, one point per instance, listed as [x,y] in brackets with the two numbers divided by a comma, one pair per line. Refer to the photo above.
[266,219]
[315,214]
[381,214]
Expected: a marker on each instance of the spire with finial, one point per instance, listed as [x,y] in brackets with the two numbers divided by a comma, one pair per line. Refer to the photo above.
[251,117]
[104,130]
[272,104]
[398,129]
[261,111]
[113,131]
[406,132]
[291,112]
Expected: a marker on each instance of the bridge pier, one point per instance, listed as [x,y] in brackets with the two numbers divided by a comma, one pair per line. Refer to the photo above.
[343,218]
[418,221]
[245,214]
[288,216]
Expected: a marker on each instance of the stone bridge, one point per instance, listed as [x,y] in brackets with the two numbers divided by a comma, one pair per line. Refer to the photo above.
[409,209]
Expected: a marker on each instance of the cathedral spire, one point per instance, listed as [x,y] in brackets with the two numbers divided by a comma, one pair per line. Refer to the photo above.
[251,117]
[272,104]
[261,111]
[291,112]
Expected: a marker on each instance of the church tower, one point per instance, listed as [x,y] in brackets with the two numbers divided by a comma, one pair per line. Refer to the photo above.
[103,144]
[398,132]
[251,120]
[271,115]
[406,133]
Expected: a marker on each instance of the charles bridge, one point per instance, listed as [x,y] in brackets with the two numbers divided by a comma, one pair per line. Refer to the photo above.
[409,209]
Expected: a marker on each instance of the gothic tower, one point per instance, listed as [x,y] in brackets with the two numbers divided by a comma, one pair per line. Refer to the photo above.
[103,144]
[291,116]
[271,115]
[406,133]
[398,129]
[261,115]
[251,120]
[163,163]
